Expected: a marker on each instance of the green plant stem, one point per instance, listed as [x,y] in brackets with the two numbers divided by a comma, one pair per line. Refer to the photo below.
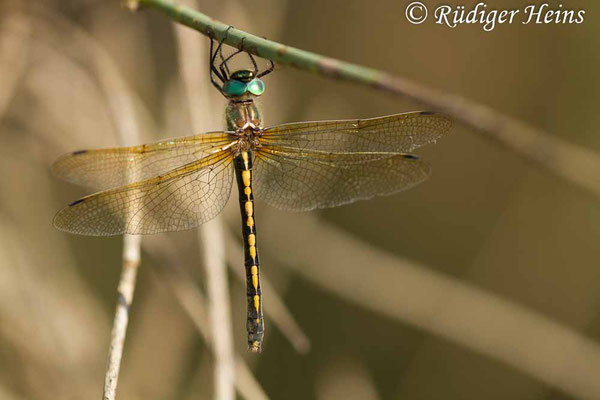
[574,163]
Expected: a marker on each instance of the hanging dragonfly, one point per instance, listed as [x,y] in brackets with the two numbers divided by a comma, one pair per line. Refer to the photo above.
[178,184]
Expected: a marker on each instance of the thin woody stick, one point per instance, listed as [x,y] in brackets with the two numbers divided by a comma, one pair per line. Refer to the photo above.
[121,102]
[121,105]
[131,262]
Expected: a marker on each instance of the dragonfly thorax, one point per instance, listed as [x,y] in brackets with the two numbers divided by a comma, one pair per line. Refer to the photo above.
[243,116]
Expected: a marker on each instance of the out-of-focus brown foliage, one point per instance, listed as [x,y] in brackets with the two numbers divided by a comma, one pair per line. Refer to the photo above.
[480,283]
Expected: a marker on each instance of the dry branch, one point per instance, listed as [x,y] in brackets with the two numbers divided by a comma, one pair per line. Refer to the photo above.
[442,305]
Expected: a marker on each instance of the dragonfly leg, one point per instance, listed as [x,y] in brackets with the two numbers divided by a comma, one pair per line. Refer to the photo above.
[213,71]
[224,67]
[222,72]
[267,71]
[224,61]
[254,64]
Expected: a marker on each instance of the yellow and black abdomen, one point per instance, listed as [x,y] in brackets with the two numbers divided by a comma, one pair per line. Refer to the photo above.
[255,324]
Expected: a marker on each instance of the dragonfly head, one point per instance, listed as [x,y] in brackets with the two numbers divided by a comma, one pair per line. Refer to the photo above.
[243,84]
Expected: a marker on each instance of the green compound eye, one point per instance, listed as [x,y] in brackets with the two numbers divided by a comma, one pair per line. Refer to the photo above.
[256,87]
[234,88]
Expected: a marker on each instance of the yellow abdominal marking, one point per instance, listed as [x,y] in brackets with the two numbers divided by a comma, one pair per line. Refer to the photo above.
[249,211]
[245,158]
[256,303]
[246,177]
[254,273]
[252,246]
[249,208]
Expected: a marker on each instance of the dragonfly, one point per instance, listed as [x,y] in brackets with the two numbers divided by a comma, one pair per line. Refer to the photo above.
[178,184]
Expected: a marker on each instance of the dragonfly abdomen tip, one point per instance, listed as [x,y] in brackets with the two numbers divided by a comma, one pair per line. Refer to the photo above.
[255,347]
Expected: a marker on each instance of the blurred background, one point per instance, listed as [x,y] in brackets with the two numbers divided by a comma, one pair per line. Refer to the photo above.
[481,283]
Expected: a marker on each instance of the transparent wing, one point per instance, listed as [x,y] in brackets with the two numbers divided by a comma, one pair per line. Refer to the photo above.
[109,168]
[181,199]
[301,180]
[401,133]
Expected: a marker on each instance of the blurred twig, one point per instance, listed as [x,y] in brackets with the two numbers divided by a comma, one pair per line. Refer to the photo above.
[131,261]
[194,81]
[121,102]
[194,304]
[14,48]
[568,161]
[213,260]
[36,320]
[121,105]
[408,292]
[189,295]
[345,378]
